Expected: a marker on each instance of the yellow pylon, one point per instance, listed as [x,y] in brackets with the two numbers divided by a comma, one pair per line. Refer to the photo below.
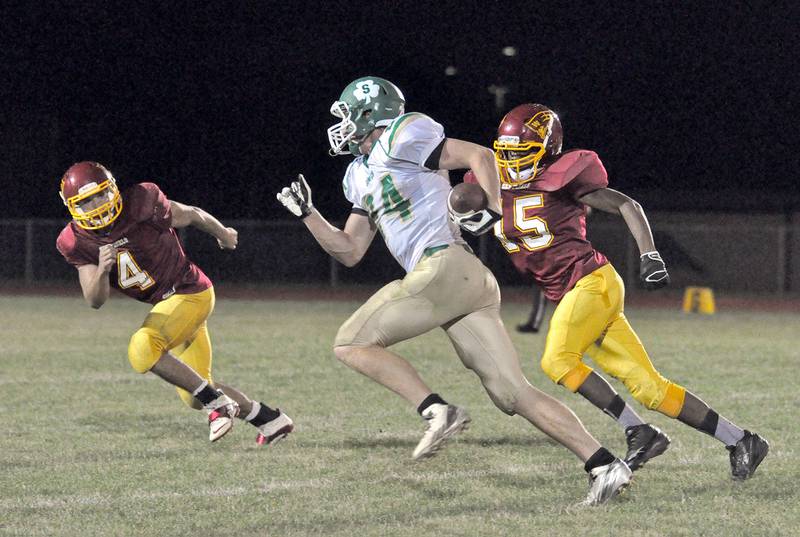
[700,300]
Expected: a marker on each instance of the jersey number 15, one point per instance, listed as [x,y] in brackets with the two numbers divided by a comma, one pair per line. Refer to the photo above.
[535,234]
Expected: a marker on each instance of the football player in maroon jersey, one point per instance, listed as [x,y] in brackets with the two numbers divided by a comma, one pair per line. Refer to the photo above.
[545,195]
[128,241]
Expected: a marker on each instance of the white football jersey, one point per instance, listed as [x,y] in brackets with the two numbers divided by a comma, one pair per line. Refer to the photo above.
[407,201]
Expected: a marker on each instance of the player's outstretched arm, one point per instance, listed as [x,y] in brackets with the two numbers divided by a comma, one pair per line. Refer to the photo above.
[187,215]
[346,245]
[612,201]
[459,155]
[652,270]
[94,278]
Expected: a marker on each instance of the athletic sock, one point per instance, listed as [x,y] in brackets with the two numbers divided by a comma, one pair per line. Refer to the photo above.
[601,457]
[432,399]
[205,393]
[623,413]
[720,428]
[261,414]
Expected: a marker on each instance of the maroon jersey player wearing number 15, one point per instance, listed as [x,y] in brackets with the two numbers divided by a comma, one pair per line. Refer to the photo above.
[128,241]
[544,195]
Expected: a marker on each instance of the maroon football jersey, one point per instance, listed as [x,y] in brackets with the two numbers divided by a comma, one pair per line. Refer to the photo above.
[544,225]
[151,264]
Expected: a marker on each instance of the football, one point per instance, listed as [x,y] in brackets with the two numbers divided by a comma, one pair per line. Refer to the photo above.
[466,197]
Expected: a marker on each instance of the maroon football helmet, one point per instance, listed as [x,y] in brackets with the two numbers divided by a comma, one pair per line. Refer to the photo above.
[90,193]
[526,135]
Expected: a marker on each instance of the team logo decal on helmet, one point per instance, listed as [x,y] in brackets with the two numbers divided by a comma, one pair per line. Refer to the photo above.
[365,104]
[526,135]
[366,91]
[542,123]
[91,195]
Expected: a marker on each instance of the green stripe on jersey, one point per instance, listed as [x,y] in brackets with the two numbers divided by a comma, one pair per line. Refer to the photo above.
[395,127]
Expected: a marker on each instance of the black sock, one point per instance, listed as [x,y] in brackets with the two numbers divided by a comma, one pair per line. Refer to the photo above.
[207,394]
[601,457]
[615,408]
[264,415]
[709,424]
[432,399]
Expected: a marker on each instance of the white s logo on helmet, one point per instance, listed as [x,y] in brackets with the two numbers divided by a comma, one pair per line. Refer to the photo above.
[366,90]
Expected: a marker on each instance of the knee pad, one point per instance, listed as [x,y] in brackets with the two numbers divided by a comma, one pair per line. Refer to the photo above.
[566,369]
[144,350]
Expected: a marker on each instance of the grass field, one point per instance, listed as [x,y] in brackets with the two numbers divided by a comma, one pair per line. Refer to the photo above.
[92,448]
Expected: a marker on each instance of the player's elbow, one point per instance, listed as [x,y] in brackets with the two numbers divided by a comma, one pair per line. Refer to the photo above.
[483,157]
[634,205]
[350,259]
[187,216]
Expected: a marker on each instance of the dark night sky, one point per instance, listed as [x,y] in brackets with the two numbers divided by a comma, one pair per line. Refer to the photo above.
[222,104]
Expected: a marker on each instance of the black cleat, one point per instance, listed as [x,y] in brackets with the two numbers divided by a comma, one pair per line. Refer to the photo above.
[527,328]
[644,442]
[746,455]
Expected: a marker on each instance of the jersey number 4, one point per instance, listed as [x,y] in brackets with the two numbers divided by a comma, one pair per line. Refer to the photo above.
[393,201]
[535,234]
[129,273]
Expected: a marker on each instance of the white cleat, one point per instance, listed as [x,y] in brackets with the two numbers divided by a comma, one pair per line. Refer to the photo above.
[275,430]
[607,481]
[221,412]
[444,421]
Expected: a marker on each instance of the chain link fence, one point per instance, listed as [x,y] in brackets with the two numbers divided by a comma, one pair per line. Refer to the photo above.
[735,252]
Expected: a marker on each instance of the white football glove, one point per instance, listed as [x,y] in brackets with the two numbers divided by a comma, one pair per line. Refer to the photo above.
[297,197]
[476,222]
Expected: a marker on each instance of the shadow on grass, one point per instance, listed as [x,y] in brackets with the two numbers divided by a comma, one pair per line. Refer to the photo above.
[397,442]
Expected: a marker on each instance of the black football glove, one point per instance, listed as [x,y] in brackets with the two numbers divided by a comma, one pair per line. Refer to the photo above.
[297,197]
[652,271]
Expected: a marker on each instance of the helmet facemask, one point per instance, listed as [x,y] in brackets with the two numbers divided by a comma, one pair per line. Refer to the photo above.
[342,133]
[518,162]
[95,206]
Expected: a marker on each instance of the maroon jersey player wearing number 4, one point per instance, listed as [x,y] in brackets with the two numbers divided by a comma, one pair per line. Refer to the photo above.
[545,194]
[128,241]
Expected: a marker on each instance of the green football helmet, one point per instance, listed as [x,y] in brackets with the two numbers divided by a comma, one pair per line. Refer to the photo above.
[366,103]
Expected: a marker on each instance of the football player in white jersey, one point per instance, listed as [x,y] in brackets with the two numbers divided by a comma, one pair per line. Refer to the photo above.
[398,184]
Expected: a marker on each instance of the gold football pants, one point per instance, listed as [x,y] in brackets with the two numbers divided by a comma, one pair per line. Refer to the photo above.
[177,324]
[590,319]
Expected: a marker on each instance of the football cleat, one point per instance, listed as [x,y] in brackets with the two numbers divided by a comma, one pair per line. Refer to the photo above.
[444,421]
[746,455]
[221,412]
[275,430]
[607,481]
[644,442]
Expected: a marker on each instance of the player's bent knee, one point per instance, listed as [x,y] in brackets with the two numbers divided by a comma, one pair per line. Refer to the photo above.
[504,393]
[658,394]
[566,369]
[347,354]
[144,350]
[672,403]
